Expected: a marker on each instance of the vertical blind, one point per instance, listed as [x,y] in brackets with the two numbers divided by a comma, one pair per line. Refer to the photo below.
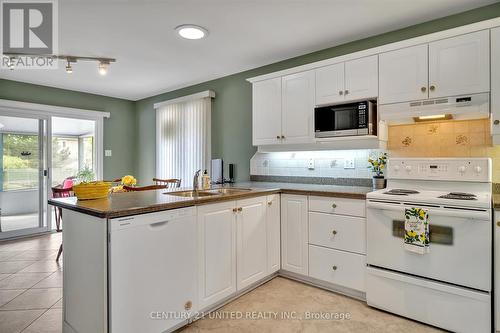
[183,139]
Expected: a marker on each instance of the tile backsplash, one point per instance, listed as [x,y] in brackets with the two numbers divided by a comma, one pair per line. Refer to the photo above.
[329,163]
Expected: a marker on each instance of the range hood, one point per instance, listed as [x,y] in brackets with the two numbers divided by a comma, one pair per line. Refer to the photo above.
[475,106]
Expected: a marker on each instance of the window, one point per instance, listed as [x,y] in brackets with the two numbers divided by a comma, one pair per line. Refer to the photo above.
[183,137]
[20,161]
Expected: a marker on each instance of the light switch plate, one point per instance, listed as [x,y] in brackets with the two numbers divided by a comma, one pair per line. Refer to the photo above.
[349,163]
[108,153]
[310,164]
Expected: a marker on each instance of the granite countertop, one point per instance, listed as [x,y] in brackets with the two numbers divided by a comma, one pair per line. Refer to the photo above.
[133,203]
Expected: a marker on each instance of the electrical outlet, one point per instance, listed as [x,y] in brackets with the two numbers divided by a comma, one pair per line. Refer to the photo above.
[108,153]
[349,163]
[310,164]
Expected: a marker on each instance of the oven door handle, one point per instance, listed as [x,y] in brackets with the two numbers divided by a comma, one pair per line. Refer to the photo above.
[479,214]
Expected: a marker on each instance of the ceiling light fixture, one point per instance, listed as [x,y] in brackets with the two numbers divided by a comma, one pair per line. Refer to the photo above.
[103,67]
[191,31]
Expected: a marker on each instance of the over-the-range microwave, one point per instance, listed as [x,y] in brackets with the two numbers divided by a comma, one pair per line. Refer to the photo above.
[358,118]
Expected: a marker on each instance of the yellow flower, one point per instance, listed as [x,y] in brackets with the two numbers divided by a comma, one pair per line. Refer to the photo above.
[422,213]
[129,180]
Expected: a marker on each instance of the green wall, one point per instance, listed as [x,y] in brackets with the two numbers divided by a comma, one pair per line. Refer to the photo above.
[119,129]
[232,108]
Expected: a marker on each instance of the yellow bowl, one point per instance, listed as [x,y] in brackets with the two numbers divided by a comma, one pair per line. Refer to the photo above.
[94,190]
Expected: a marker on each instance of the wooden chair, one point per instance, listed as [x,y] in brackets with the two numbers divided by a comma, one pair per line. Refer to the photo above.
[171,183]
[144,188]
[61,191]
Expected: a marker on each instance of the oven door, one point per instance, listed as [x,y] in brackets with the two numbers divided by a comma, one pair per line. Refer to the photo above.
[460,244]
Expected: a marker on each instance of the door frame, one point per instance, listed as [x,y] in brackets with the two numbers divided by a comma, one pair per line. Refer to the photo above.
[45,112]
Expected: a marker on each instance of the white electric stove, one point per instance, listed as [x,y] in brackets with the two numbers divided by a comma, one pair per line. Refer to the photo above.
[449,287]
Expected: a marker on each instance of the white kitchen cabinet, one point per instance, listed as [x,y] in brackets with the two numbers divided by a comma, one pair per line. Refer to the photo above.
[353,80]
[273,233]
[495,85]
[251,253]
[448,67]
[330,84]
[153,267]
[216,252]
[460,65]
[403,75]
[361,78]
[294,238]
[266,112]
[297,107]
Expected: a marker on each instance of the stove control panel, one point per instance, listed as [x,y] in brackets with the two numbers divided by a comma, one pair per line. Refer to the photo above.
[450,169]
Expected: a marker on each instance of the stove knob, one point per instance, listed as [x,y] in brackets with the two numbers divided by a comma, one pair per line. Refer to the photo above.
[478,169]
[462,169]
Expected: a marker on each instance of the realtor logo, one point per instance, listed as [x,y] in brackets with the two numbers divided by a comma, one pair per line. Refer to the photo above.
[29,28]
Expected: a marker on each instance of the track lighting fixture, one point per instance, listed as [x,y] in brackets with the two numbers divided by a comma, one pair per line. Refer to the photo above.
[69,59]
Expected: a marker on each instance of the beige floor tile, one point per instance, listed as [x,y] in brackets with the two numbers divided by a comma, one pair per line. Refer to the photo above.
[34,299]
[14,266]
[22,280]
[34,255]
[58,305]
[8,295]
[43,266]
[52,281]
[5,255]
[49,322]
[16,321]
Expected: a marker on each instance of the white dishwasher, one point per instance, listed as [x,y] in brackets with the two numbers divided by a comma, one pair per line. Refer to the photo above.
[152,271]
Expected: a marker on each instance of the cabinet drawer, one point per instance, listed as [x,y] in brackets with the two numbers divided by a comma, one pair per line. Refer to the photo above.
[338,267]
[340,232]
[344,206]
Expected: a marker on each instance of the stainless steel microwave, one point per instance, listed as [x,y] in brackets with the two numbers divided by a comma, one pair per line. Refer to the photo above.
[359,118]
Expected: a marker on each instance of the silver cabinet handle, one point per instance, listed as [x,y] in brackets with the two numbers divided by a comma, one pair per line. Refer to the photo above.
[496,122]
[423,89]
[346,92]
[282,136]
[432,88]
[341,92]
[334,232]
[278,137]
[334,268]
[334,205]
[269,203]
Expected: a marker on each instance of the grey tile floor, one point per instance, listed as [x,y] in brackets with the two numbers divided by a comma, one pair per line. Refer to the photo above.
[31,285]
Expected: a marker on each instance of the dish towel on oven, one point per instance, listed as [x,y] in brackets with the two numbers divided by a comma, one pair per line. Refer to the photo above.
[416,230]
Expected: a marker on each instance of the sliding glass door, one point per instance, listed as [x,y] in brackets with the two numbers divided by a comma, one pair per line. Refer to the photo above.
[24,175]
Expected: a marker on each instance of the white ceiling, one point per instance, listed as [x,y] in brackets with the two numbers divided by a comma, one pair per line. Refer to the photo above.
[152,59]
[60,126]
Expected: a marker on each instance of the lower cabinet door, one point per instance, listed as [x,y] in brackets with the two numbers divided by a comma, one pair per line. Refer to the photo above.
[294,233]
[273,234]
[216,252]
[338,267]
[251,236]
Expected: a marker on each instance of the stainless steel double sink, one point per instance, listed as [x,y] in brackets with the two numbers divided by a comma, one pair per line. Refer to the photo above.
[208,193]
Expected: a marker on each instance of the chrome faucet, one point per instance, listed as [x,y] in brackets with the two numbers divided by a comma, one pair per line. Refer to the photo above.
[196,179]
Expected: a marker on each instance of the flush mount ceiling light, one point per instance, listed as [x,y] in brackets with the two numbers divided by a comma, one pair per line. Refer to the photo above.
[190,31]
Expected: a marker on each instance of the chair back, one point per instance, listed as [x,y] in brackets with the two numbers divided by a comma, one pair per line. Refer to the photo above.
[144,188]
[170,183]
[61,192]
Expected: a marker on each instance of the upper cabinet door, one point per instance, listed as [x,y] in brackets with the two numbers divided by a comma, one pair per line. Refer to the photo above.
[403,75]
[495,96]
[361,78]
[266,113]
[330,84]
[459,65]
[298,107]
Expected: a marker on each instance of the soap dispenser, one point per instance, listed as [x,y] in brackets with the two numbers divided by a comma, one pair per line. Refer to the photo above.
[205,180]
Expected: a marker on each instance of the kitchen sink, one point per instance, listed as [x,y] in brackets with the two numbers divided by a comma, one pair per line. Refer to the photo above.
[207,193]
[191,194]
[221,191]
